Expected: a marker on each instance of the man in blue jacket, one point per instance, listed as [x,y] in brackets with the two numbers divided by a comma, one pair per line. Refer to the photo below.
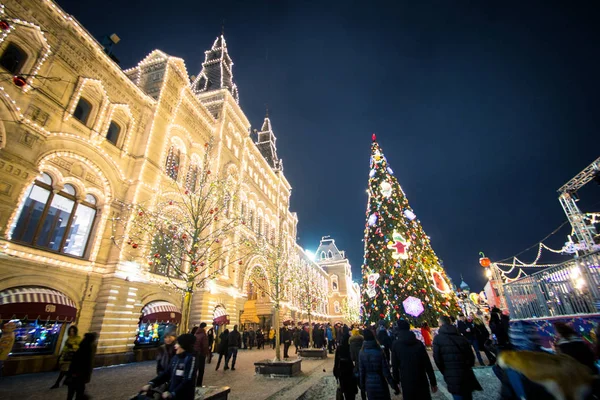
[181,373]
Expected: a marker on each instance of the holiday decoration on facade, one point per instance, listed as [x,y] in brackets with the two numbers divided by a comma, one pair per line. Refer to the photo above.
[400,269]
[413,306]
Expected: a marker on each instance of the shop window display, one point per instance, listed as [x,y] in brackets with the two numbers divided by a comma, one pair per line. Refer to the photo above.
[36,337]
[152,334]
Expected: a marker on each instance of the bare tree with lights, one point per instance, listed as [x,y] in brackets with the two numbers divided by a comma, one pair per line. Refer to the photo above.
[276,257]
[186,232]
[351,311]
[308,292]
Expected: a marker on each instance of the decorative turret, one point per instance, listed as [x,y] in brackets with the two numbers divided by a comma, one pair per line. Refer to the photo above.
[463,285]
[216,70]
[266,144]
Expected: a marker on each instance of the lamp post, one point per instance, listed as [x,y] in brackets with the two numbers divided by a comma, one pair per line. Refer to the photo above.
[494,275]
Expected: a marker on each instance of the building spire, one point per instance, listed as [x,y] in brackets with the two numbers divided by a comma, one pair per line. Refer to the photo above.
[217,69]
[266,143]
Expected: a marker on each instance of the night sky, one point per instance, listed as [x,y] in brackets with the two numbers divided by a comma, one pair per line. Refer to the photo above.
[482,110]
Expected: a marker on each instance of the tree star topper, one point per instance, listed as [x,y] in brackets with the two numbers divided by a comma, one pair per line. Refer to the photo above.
[400,245]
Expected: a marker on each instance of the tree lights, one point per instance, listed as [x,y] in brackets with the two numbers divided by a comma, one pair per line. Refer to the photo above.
[402,276]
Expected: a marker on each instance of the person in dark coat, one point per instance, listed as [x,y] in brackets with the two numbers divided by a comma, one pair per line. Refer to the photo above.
[260,339]
[166,351]
[222,347]
[571,344]
[211,341]
[251,338]
[82,364]
[374,370]
[304,337]
[384,339]
[467,329]
[201,351]
[234,343]
[180,374]
[343,370]
[482,335]
[411,365]
[454,358]
[296,338]
[245,336]
[285,337]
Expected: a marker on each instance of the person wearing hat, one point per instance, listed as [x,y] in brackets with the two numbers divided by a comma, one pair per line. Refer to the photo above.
[181,372]
[166,351]
[411,365]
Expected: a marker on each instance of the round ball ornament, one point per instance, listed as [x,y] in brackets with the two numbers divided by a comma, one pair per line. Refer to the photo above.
[484,261]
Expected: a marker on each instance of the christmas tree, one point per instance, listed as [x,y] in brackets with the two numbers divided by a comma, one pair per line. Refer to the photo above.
[402,276]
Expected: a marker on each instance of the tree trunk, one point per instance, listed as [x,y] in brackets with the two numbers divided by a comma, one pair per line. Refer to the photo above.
[185,312]
[277,335]
[310,332]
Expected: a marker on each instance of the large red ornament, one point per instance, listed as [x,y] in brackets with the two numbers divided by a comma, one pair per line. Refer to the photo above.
[135,245]
[4,25]
[374,137]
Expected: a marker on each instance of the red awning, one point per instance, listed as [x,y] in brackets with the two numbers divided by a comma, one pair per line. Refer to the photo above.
[222,320]
[160,311]
[36,303]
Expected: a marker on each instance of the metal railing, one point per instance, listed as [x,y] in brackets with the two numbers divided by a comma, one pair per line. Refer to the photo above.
[572,287]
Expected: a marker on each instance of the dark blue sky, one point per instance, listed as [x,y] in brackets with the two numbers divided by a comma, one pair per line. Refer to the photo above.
[483,110]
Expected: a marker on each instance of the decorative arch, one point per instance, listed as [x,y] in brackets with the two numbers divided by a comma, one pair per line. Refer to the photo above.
[252,264]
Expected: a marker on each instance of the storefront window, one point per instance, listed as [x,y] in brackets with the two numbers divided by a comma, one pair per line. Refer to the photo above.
[152,334]
[37,338]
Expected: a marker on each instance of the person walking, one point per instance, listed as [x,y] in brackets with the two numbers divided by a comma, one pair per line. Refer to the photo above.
[233,344]
[454,358]
[343,370]
[296,338]
[179,377]
[411,365]
[374,370]
[7,340]
[222,347]
[166,351]
[304,337]
[80,370]
[426,333]
[251,338]
[272,337]
[384,339]
[571,344]
[201,351]
[467,329]
[482,336]
[260,339]
[71,346]
[355,343]
[244,339]
[211,341]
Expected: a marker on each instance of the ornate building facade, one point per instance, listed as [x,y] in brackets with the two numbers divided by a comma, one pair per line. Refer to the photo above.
[79,136]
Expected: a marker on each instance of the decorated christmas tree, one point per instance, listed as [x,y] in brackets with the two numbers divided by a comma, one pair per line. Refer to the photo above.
[402,276]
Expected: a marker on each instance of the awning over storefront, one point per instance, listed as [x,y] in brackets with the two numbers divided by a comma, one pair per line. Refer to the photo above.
[222,320]
[36,303]
[160,311]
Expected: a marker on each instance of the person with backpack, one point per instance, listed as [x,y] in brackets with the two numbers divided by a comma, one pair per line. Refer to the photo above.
[180,374]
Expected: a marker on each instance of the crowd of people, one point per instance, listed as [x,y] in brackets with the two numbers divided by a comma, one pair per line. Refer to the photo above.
[373,361]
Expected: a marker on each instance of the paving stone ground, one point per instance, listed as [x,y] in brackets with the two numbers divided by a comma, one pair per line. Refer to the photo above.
[121,382]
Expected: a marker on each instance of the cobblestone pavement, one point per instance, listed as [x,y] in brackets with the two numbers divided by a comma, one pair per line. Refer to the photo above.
[122,382]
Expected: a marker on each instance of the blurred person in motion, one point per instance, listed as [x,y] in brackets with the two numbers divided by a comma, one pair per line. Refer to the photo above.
[180,374]
[384,339]
[201,351]
[482,336]
[411,365]
[211,341]
[571,344]
[426,333]
[343,370]
[374,370]
[82,364]
[7,340]
[234,342]
[166,351]
[355,343]
[454,358]
[71,346]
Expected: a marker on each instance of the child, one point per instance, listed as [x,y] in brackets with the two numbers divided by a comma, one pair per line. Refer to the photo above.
[426,332]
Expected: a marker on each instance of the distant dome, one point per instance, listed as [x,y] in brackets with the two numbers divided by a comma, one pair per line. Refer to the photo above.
[464,286]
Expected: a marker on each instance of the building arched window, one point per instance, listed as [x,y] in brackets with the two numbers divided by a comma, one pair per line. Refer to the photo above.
[191,180]
[173,162]
[82,110]
[322,255]
[114,130]
[13,59]
[329,254]
[227,204]
[55,221]
[334,283]
[336,307]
